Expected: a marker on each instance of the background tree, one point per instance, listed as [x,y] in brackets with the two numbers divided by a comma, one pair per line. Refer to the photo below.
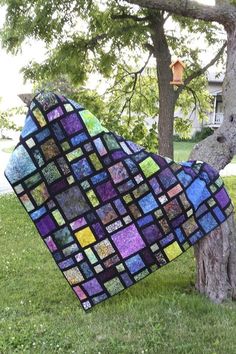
[84,37]
[88,37]
[6,121]
[216,254]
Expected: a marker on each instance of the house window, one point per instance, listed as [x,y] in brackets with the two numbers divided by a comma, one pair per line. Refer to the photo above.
[219,107]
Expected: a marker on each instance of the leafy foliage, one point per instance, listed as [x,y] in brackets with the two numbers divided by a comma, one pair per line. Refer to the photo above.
[202,134]
[6,122]
[85,39]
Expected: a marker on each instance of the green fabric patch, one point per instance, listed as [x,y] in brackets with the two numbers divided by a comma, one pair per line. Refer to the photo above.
[32,180]
[111,142]
[149,166]
[114,286]
[74,154]
[92,197]
[58,217]
[95,161]
[92,123]
[51,172]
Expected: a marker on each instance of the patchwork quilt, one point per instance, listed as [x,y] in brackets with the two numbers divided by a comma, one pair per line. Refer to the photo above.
[110,212]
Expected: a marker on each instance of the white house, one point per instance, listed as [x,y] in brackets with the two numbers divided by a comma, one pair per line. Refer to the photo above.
[215,117]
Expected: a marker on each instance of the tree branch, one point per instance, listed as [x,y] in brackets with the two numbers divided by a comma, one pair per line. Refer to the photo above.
[190,8]
[201,71]
[196,100]
[125,16]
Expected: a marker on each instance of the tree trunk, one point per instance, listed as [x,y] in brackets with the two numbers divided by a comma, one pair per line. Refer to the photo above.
[167,95]
[216,253]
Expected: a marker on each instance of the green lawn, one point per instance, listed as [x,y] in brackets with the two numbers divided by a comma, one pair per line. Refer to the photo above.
[182,151]
[163,313]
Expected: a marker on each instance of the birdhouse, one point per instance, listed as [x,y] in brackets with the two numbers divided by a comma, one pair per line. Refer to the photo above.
[178,70]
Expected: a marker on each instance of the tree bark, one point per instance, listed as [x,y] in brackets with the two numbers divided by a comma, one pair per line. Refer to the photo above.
[216,263]
[222,12]
[216,253]
[167,96]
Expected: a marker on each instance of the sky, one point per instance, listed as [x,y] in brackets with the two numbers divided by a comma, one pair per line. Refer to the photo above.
[11,80]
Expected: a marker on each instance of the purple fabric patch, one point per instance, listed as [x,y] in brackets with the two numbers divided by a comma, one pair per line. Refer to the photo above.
[98,230]
[152,233]
[58,186]
[222,197]
[118,155]
[128,241]
[176,222]
[71,123]
[92,287]
[45,225]
[51,244]
[106,191]
[55,113]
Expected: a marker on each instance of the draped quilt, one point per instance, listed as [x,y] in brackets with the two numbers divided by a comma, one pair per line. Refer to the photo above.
[109,211]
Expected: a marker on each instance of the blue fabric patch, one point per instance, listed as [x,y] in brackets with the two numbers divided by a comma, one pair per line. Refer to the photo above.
[145,220]
[205,176]
[148,203]
[42,135]
[132,165]
[99,177]
[98,298]
[166,240]
[81,168]
[79,138]
[195,237]
[29,127]
[57,256]
[19,165]
[86,269]
[135,263]
[58,131]
[197,192]
[180,235]
[184,178]
[120,207]
[126,279]
[186,163]
[37,213]
[220,216]
[207,222]
[67,263]
[167,178]
[201,210]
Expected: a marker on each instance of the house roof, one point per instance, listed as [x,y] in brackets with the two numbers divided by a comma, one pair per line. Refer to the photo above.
[215,77]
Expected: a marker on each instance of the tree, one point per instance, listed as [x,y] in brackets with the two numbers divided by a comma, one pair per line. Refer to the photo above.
[216,254]
[86,35]
[6,122]
[89,35]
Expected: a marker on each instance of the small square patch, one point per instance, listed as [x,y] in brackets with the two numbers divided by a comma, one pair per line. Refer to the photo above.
[149,166]
[85,236]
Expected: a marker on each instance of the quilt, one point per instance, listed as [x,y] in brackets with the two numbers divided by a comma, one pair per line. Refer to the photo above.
[110,212]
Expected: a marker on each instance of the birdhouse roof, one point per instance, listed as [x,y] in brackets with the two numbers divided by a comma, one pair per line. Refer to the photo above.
[177,61]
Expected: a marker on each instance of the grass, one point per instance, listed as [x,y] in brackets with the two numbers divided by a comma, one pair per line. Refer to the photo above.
[160,314]
[182,151]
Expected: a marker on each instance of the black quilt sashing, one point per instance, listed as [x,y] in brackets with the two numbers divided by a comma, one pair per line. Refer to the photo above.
[109,211]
